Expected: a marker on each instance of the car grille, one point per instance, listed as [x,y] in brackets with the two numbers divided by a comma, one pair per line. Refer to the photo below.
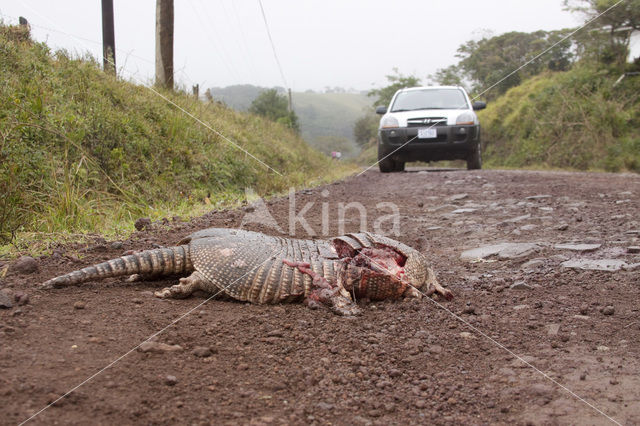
[427,122]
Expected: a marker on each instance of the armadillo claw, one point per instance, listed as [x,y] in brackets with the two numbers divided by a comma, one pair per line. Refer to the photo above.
[165,293]
[412,293]
[343,306]
[351,310]
[177,291]
[446,293]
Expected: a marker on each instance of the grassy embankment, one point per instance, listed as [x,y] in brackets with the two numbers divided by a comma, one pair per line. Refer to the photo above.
[84,152]
[567,120]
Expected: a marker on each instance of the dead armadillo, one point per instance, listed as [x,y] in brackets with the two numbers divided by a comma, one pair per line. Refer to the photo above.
[257,268]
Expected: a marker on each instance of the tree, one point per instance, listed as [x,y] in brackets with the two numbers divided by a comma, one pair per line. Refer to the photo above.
[488,61]
[365,129]
[449,76]
[398,81]
[275,107]
[616,27]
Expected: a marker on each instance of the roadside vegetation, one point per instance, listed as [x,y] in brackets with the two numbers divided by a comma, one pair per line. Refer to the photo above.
[82,151]
[575,119]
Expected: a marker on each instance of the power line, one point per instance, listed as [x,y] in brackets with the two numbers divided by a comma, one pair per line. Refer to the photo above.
[127,53]
[273,47]
[241,43]
[217,47]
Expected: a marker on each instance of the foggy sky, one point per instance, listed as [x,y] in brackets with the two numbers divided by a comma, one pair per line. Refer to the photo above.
[320,43]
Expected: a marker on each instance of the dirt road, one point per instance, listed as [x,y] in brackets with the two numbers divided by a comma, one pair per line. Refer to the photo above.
[433,361]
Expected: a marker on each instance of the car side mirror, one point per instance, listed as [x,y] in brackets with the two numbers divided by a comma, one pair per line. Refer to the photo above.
[381,110]
[478,105]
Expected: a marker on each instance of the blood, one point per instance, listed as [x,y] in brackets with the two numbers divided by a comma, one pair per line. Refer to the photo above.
[381,259]
[305,268]
[343,249]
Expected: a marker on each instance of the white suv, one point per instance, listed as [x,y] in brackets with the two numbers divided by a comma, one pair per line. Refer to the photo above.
[429,124]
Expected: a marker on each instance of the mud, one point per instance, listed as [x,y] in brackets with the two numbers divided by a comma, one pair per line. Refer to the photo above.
[432,361]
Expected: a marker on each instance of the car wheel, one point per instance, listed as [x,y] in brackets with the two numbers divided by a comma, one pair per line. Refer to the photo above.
[399,166]
[474,161]
[385,162]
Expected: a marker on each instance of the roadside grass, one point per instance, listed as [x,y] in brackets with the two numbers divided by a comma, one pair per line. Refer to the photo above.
[573,120]
[83,152]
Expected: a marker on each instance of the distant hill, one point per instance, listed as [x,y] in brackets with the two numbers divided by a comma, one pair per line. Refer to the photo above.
[326,119]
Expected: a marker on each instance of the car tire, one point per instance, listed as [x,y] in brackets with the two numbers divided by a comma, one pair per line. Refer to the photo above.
[399,166]
[385,162]
[474,161]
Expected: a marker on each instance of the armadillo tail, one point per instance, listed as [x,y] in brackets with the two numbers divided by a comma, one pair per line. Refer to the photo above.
[164,261]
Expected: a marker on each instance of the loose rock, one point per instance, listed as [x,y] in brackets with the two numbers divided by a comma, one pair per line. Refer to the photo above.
[611,265]
[394,372]
[520,285]
[457,197]
[553,329]
[79,305]
[142,223]
[170,380]
[608,310]
[24,265]
[532,264]
[21,298]
[6,301]
[458,211]
[503,251]
[577,247]
[202,352]
[158,348]
[117,245]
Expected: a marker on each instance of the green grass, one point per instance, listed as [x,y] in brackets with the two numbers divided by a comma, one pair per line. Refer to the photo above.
[82,151]
[569,120]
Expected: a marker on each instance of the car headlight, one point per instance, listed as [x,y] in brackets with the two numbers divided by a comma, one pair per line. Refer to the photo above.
[389,122]
[465,118]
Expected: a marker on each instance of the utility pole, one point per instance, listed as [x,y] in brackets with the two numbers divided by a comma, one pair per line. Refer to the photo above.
[164,43]
[290,102]
[108,37]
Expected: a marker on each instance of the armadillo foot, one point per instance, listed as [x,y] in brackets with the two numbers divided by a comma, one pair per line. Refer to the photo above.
[346,308]
[412,293]
[185,289]
[325,292]
[434,286]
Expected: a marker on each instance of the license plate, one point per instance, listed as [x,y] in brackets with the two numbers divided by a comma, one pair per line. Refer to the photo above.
[427,133]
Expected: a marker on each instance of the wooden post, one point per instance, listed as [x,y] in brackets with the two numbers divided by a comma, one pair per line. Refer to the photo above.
[196,91]
[108,37]
[164,43]
[290,102]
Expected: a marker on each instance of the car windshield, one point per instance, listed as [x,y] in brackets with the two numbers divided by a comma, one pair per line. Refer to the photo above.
[430,99]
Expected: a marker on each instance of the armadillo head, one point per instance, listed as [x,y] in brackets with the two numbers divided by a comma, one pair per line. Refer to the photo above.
[387,268]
